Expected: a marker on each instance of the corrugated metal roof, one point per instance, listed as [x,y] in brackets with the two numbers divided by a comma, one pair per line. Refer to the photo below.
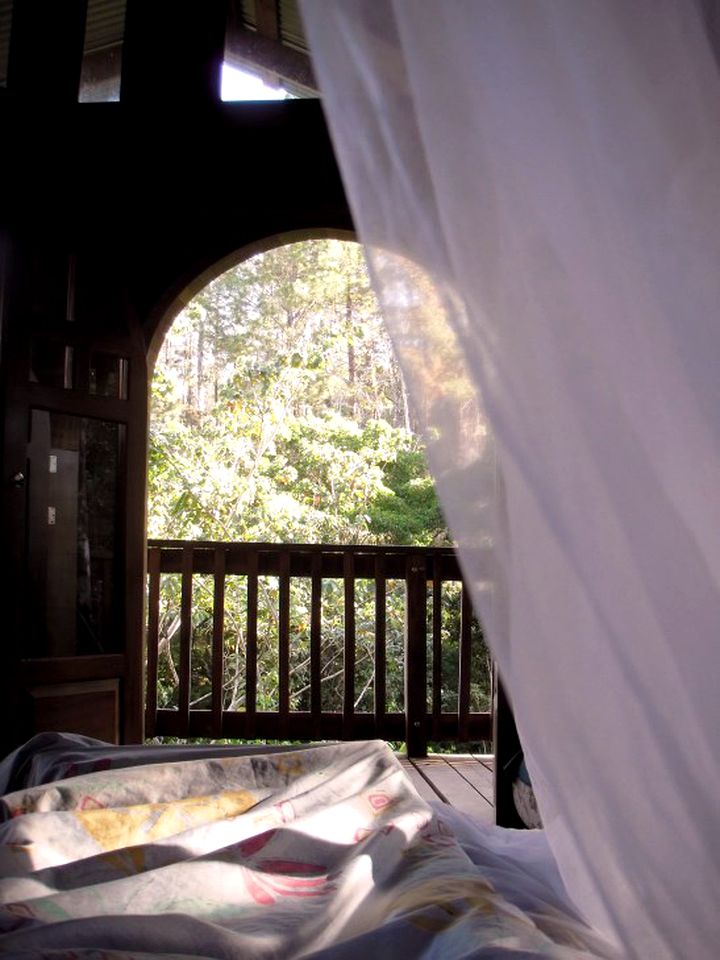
[246,10]
[105,24]
[291,28]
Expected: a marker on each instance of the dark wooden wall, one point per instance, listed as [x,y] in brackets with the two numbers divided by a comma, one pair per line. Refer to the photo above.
[110,213]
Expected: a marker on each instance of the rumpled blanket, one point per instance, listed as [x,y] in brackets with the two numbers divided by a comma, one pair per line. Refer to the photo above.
[320,852]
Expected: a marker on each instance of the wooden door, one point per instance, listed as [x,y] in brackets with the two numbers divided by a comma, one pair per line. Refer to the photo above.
[75,420]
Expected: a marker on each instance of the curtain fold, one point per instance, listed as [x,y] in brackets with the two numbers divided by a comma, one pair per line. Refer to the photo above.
[537,184]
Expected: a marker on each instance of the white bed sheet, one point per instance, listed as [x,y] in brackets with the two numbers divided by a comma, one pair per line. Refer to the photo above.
[328,851]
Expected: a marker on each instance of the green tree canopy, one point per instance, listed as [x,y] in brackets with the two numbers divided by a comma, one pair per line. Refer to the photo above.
[279,412]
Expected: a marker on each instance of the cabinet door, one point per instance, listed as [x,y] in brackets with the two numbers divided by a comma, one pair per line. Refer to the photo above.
[75,390]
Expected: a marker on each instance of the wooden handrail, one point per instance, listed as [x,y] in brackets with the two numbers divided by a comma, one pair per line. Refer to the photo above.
[421,568]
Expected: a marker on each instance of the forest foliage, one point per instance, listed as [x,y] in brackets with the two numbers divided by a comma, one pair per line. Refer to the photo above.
[279,414]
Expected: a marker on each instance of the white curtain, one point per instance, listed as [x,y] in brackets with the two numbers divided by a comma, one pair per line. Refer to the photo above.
[537,183]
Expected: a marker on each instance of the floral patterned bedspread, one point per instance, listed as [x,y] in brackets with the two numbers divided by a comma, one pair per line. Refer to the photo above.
[320,852]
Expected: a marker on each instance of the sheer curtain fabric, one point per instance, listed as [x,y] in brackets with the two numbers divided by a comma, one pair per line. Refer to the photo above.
[537,183]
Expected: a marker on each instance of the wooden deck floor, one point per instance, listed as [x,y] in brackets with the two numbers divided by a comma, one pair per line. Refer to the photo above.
[463,780]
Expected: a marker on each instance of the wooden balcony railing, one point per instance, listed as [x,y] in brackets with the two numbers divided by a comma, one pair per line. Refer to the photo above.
[199,707]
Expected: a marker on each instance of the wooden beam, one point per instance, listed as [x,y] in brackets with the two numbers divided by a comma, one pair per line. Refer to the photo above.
[248,48]
[302,725]
[46,49]
[173,52]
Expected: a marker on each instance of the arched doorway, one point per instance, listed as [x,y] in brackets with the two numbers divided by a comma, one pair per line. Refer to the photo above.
[245,556]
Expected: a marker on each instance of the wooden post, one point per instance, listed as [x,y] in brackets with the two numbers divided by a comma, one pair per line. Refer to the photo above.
[316,644]
[506,745]
[218,652]
[349,654]
[153,640]
[437,648]
[284,642]
[380,645]
[251,644]
[464,664]
[185,663]
[416,657]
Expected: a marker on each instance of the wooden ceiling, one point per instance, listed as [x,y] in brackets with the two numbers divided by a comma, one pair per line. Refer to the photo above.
[263,36]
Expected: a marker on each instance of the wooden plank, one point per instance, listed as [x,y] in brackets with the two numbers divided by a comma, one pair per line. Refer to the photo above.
[107,408]
[301,725]
[349,651]
[316,642]
[90,708]
[153,640]
[416,657]
[251,642]
[185,636]
[380,643]
[218,646]
[475,772]
[455,789]
[300,554]
[44,670]
[267,725]
[423,787]
[465,660]
[284,639]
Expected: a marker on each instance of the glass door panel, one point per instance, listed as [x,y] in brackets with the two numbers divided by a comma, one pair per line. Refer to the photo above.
[75,575]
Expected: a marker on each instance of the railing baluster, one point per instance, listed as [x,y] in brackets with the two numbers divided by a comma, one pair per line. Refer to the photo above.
[316,642]
[380,636]
[153,640]
[184,666]
[218,652]
[437,648]
[349,652]
[416,657]
[284,642]
[423,715]
[465,659]
[251,644]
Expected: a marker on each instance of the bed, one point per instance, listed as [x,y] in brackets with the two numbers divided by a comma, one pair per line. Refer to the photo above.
[326,851]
